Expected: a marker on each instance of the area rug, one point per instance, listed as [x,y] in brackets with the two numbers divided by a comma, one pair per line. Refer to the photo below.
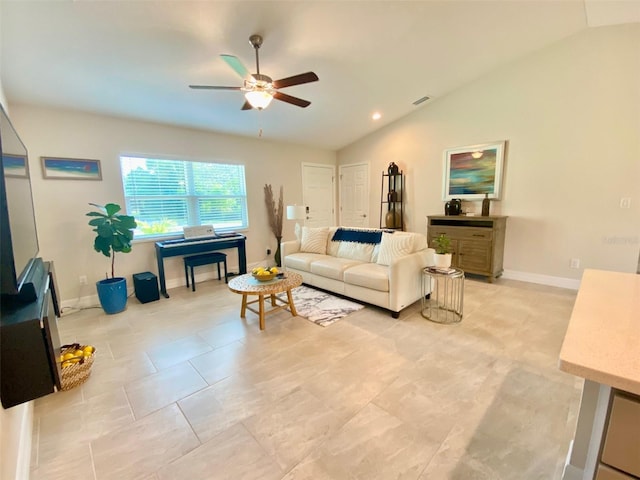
[321,308]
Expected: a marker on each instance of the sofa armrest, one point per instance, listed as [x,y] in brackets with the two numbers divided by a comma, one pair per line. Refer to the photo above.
[289,247]
[405,278]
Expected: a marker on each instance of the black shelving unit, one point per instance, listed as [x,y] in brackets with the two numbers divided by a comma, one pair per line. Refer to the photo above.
[391,205]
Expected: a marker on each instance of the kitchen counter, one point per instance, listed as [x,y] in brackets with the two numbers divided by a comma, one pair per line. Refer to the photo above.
[603,336]
[601,345]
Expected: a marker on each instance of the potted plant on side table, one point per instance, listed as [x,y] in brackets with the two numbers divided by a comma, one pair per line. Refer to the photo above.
[442,245]
[114,234]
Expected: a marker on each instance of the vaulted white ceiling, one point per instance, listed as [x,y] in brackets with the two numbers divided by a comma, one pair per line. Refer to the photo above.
[135,59]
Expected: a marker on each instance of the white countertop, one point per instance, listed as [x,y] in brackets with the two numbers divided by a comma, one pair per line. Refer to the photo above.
[602,342]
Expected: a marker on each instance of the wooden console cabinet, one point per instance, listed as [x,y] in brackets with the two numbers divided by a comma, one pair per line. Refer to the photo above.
[477,242]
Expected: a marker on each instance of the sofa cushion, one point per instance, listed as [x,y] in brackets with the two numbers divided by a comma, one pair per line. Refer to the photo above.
[355,251]
[368,275]
[302,261]
[314,240]
[393,246]
[332,267]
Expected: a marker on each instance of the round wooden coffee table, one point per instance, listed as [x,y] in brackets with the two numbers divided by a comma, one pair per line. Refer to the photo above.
[247,285]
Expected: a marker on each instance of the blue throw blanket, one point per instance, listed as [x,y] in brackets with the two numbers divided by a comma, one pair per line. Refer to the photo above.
[358,236]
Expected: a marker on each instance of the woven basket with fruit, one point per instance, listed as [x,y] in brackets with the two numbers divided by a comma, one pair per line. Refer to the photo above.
[75,361]
[264,274]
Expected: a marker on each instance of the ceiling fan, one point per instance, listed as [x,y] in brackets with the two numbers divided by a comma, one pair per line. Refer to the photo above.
[260,89]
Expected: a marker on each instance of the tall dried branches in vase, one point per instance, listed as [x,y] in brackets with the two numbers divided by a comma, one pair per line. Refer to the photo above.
[275,215]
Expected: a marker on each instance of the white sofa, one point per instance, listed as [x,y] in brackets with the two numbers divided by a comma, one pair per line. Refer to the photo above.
[375,266]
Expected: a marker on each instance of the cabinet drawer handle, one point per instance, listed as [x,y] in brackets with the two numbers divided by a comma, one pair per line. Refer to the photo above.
[477,235]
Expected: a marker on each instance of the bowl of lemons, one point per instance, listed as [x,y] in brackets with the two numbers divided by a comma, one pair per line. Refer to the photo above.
[264,274]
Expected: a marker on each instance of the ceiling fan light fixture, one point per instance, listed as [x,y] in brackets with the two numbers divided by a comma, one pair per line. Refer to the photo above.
[259,99]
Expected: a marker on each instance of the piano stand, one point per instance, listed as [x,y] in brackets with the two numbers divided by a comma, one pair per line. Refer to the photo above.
[174,248]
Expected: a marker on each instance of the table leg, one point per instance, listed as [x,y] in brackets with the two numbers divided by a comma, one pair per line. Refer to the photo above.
[243,309]
[242,256]
[261,310]
[163,284]
[291,305]
[273,300]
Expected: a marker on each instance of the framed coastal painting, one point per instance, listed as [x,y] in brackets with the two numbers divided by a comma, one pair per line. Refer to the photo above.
[15,165]
[471,172]
[70,169]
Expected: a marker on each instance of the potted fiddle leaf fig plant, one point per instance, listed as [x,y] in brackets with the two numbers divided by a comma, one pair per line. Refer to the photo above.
[442,245]
[114,233]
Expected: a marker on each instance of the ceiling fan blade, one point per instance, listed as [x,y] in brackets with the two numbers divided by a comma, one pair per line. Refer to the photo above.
[212,87]
[246,106]
[235,63]
[283,97]
[296,80]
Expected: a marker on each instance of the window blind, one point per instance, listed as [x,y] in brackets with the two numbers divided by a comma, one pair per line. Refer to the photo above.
[166,195]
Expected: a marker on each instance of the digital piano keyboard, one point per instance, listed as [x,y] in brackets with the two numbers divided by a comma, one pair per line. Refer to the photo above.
[192,246]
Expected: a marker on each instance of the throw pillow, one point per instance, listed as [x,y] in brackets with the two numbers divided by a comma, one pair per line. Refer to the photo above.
[393,246]
[314,240]
[332,245]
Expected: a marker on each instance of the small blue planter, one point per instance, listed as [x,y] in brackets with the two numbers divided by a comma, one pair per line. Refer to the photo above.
[112,293]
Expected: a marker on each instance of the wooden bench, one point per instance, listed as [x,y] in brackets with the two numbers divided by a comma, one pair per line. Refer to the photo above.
[204,259]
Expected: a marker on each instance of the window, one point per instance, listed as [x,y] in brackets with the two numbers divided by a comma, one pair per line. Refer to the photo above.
[166,195]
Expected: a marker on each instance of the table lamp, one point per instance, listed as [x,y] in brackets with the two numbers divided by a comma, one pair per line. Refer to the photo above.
[296,212]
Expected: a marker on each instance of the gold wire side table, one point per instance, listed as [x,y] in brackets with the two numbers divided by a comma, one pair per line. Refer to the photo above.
[447,294]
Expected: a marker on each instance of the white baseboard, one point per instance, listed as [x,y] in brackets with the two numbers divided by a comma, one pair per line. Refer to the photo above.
[16,440]
[88,301]
[571,472]
[92,300]
[561,282]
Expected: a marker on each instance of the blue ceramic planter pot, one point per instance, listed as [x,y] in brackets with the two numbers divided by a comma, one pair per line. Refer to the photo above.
[112,293]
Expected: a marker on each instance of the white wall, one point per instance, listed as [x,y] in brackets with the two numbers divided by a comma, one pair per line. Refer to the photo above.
[16,423]
[571,115]
[61,205]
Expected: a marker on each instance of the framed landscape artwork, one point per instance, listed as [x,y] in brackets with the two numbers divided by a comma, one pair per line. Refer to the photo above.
[71,169]
[473,171]
[15,165]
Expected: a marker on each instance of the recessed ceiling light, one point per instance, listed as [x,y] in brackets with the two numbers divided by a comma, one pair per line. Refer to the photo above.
[376,116]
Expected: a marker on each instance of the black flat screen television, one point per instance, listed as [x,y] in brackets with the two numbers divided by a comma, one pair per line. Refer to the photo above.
[18,234]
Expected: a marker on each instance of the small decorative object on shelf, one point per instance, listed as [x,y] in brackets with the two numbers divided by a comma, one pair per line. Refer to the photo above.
[445,271]
[393,169]
[442,257]
[485,205]
[454,207]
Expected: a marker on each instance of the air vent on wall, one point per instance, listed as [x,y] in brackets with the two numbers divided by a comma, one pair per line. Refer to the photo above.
[421,100]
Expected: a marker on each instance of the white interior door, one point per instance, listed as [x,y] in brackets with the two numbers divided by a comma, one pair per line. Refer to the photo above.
[318,194]
[354,195]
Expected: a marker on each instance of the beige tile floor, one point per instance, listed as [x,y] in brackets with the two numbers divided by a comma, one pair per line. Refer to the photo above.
[185,389]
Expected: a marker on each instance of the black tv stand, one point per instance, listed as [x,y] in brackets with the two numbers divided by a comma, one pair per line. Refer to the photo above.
[29,340]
